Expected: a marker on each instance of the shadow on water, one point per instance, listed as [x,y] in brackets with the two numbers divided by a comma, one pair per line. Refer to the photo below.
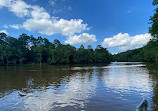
[118,87]
[153,73]
[28,78]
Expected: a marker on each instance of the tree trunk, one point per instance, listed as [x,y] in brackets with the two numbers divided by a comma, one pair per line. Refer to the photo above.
[40,59]
[7,60]
[14,61]
[20,61]
[2,59]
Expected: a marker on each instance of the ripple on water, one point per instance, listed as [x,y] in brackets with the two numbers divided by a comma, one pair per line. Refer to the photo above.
[118,86]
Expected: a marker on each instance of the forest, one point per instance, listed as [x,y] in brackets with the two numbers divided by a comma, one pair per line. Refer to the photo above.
[28,49]
[149,52]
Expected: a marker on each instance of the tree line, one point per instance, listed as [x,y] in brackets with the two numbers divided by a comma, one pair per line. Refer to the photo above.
[28,49]
[148,53]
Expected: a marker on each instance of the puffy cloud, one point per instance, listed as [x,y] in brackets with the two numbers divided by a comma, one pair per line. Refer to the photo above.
[4,31]
[18,7]
[50,27]
[84,38]
[5,3]
[126,42]
[39,13]
[41,21]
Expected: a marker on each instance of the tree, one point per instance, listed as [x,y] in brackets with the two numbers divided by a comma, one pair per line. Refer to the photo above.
[20,55]
[102,55]
[24,40]
[33,41]
[81,47]
[38,50]
[89,47]
[154,21]
[27,49]
[63,54]
[155,2]
[2,54]
[56,42]
[3,36]
[91,53]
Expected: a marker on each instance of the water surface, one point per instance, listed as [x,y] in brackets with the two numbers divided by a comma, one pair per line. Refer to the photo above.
[113,87]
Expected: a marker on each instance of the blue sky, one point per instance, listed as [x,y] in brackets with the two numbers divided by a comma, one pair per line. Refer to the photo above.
[118,25]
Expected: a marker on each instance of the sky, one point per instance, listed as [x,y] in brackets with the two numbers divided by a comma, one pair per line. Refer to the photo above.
[117,25]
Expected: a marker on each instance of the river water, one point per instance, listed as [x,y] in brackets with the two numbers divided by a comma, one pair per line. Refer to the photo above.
[114,87]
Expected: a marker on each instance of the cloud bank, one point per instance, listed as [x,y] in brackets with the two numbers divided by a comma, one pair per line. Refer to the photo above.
[126,42]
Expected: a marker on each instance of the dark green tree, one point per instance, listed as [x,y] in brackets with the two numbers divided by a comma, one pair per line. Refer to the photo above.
[27,49]
[154,21]
[56,43]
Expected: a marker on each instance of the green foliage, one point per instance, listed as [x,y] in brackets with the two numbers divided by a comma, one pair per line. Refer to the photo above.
[154,21]
[148,53]
[155,2]
[102,55]
[27,49]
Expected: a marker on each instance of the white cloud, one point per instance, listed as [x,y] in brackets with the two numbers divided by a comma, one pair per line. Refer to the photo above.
[5,3]
[55,11]
[16,26]
[76,91]
[5,26]
[18,7]
[50,27]
[4,31]
[126,42]
[41,21]
[84,38]
[39,13]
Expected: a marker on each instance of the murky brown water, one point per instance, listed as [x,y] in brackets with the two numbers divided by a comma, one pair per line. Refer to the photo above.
[116,87]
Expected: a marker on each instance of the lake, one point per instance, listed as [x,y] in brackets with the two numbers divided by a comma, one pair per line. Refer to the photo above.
[114,87]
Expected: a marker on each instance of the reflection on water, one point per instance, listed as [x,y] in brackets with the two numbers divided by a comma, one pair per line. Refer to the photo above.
[116,87]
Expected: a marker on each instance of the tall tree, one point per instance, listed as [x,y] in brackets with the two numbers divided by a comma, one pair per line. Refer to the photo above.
[56,42]
[81,47]
[3,36]
[154,21]
[24,40]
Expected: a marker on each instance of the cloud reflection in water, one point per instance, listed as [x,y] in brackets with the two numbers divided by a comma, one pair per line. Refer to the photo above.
[75,92]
